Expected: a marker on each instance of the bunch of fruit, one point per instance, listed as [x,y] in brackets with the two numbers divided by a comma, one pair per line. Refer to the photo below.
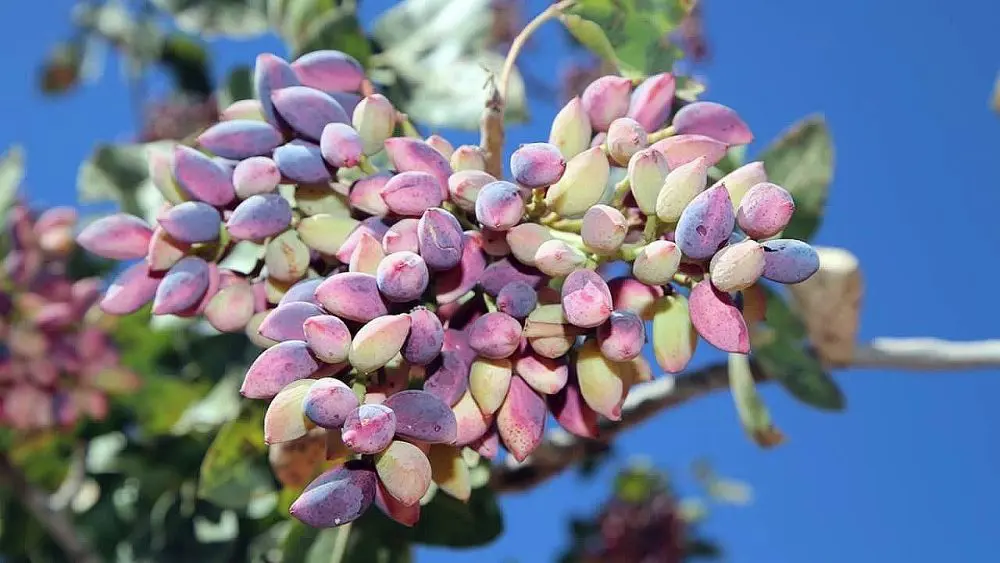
[57,361]
[642,523]
[411,302]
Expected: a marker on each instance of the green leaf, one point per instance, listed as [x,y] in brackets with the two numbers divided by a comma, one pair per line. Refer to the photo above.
[143,348]
[298,540]
[11,174]
[238,19]
[43,458]
[754,416]
[372,538]
[446,521]
[234,471]
[638,29]
[161,400]
[801,161]
[239,86]
[311,25]
[784,357]
[327,545]
[370,541]
[734,158]
[220,405]
[188,61]
[590,35]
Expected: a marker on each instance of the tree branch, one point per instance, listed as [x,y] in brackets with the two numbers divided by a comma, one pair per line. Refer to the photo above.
[56,522]
[561,450]
[926,354]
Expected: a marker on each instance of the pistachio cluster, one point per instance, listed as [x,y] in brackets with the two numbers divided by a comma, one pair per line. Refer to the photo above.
[58,363]
[412,304]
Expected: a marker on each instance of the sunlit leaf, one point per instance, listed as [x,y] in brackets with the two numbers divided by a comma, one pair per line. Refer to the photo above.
[590,35]
[638,29]
[220,405]
[447,521]
[233,472]
[326,27]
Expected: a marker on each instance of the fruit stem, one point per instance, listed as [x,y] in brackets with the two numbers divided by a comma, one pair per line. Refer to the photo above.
[628,252]
[661,134]
[621,192]
[454,210]
[366,166]
[558,223]
[684,279]
[537,207]
[571,238]
[491,304]
[407,126]
[652,228]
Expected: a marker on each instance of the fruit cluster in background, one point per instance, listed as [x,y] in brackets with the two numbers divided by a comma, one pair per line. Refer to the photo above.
[419,308]
[57,361]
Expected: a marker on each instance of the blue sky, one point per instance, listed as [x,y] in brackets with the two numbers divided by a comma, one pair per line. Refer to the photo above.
[909,471]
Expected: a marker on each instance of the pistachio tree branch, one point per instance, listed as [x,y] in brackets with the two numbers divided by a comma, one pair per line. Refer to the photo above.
[561,450]
[56,522]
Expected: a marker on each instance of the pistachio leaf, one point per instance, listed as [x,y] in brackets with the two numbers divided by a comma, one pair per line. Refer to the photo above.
[801,161]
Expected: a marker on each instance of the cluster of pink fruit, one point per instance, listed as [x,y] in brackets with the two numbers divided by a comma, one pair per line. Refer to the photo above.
[58,362]
[482,294]
[630,528]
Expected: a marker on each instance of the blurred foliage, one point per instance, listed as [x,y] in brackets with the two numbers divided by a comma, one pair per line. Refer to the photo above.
[644,519]
[179,471]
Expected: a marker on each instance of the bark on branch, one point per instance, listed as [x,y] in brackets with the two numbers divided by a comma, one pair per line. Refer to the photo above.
[561,450]
[56,522]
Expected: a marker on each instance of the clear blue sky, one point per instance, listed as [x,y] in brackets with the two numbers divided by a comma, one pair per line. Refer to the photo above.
[909,472]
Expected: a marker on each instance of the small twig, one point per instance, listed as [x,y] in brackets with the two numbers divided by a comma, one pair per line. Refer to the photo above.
[927,354]
[56,522]
[561,450]
[522,38]
[491,130]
